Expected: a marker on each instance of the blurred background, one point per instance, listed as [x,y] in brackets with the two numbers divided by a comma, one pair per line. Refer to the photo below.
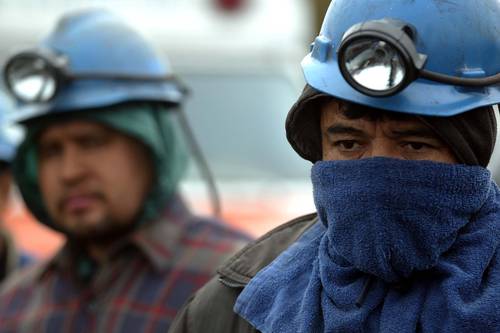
[241,62]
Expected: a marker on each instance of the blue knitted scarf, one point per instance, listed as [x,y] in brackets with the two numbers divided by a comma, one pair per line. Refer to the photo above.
[401,246]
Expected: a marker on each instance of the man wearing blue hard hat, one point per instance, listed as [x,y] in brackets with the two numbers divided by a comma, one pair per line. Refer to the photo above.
[398,119]
[100,163]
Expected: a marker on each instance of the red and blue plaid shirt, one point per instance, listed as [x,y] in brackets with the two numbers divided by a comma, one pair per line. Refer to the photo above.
[140,288]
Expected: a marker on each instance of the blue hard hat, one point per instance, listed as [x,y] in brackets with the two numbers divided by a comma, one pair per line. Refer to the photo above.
[107,63]
[459,39]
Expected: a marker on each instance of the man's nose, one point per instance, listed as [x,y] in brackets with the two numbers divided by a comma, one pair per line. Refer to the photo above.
[384,148]
[72,165]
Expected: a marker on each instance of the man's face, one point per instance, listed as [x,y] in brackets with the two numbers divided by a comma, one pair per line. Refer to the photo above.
[347,136]
[93,179]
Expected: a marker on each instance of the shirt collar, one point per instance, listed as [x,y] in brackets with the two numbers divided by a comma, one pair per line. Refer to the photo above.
[160,241]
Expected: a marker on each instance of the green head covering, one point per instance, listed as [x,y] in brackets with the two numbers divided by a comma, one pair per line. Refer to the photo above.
[150,124]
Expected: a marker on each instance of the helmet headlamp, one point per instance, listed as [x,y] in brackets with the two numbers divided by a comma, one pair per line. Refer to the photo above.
[37,76]
[379,58]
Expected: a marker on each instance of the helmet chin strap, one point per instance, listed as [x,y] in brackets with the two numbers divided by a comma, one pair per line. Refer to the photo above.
[198,156]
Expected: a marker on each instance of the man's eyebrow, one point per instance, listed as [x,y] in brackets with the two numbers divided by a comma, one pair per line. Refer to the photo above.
[342,129]
[418,132]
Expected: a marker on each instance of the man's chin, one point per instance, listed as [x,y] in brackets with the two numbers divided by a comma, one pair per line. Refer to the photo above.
[97,236]
[103,232]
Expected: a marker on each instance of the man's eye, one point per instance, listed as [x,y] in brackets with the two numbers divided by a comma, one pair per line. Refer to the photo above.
[416,146]
[347,145]
[93,142]
[49,151]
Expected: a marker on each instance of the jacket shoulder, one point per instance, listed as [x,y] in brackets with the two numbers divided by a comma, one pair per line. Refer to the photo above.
[211,310]
[246,263]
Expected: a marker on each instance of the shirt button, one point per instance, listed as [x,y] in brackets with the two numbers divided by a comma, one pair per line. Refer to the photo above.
[92,306]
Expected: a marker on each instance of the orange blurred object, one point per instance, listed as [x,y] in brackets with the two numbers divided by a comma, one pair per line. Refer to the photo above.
[30,236]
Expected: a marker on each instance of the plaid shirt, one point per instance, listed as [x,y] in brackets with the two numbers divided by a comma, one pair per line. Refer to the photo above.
[140,289]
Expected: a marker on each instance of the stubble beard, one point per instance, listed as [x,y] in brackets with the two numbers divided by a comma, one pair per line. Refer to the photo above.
[103,232]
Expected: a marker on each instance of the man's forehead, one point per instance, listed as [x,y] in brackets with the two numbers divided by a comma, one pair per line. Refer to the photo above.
[69,127]
[338,111]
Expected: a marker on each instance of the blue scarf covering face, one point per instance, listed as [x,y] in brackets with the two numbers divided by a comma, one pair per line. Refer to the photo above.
[403,246]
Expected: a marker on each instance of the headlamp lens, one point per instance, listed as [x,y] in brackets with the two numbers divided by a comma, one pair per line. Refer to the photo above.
[31,79]
[374,64]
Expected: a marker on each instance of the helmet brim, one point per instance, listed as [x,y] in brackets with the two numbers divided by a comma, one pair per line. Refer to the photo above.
[421,97]
[92,94]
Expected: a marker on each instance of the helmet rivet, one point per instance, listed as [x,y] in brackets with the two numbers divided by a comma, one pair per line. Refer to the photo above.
[322,48]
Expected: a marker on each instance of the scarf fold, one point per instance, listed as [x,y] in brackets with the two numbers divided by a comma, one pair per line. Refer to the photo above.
[414,243]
